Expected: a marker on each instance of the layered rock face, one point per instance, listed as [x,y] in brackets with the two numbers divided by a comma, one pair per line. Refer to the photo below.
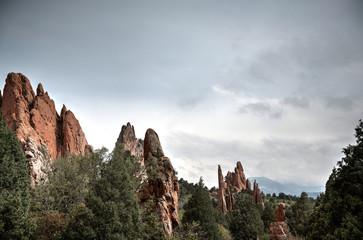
[234,182]
[162,187]
[279,229]
[34,116]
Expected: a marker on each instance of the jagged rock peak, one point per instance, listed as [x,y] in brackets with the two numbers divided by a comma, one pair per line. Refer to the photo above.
[128,138]
[152,145]
[127,133]
[40,90]
[234,182]
[35,117]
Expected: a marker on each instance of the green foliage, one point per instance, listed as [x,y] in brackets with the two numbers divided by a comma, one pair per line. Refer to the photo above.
[301,211]
[245,221]
[199,209]
[15,222]
[151,227]
[267,215]
[50,224]
[188,231]
[338,213]
[114,207]
[69,181]
[80,225]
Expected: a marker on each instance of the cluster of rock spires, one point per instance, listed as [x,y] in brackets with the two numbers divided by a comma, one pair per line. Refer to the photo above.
[44,134]
[234,183]
[164,188]
[279,229]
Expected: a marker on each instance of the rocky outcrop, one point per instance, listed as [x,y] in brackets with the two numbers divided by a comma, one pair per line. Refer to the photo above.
[257,197]
[128,138]
[159,180]
[34,116]
[162,188]
[222,196]
[234,182]
[279,229]
[72,136]
[280,213]
[38,160]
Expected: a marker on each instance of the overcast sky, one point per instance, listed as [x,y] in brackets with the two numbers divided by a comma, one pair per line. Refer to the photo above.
[276,85]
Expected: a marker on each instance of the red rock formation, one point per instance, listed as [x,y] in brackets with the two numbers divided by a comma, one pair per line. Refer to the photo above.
[162,188]
[34,116]
[257,197]
[278,229]
[234,182]
[280,213]
[73,138]
[248,184]
[222,186]
[160,185]
[128,138]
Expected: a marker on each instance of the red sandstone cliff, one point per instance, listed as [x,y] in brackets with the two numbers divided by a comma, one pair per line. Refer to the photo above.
[163,187]
[34,119]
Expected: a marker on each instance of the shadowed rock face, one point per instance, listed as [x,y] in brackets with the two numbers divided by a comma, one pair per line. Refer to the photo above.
[152,146]
[34,116]
[162,188]
[278,229]
[234,182]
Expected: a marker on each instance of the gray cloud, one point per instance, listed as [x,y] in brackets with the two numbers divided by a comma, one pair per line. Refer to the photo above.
[284,160]
[261,109]
[299,102]
[341,103]
[299,63]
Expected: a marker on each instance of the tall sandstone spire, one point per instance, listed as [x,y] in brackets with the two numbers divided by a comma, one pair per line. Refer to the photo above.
[257,197]
[33,117]
[163,189]
[234,182]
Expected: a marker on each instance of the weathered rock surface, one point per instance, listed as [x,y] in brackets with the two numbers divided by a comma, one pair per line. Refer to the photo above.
[128,138]
[279,229]
[160,185]
[234,182]
[34,116]
[257,197]
[164,187]
[38,160]
[280,213]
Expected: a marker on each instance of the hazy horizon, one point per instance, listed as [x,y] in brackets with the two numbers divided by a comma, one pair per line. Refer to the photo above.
[275,85]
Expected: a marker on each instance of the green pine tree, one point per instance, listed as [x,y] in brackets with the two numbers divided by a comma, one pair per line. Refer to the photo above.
[338,214]
[245,220]
[14,187]
[200,209]
[301,211]
[112,210]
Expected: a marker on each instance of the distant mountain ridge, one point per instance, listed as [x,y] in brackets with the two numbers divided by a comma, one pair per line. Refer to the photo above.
[270,186]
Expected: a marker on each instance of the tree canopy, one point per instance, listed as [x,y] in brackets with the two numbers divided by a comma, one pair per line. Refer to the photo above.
[14,187]
[338,214]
